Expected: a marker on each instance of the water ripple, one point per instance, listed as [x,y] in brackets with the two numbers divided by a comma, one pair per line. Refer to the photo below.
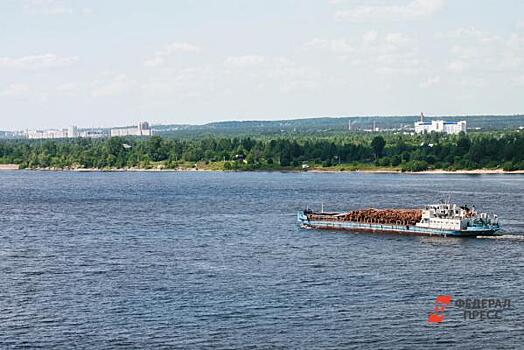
[213,260]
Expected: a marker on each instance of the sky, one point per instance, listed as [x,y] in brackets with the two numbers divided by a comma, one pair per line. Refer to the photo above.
[105,63]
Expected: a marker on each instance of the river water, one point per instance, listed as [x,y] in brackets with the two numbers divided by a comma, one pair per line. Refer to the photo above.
[197,260]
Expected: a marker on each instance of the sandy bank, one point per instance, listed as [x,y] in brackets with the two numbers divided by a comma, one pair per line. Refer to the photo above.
[8,167]
[376,171]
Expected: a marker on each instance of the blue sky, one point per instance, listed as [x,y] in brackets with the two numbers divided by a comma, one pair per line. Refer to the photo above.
[103,63]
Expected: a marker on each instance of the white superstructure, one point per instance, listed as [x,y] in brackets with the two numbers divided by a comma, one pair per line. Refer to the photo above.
[453,217]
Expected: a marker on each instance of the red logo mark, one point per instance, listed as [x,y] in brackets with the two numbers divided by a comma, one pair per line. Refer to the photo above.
[437,315]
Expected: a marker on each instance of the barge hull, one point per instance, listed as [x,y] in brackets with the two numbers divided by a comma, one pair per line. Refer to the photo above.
[395,229]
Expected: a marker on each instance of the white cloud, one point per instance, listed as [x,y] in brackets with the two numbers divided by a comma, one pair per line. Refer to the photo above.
[429,82]
[397,39]
[181,84]
[170,50]
[15,90]
[261,65]
[54,8]
[457,66]
[67,89]
[299,86]
[269,72]
[40,92]
[471,33]
[154,61]
[473,82]
[516,41]
[389,53]
[180,47]
[369,37]
[36,62]
[473,50]
[112,85]
[58,11]
[244,61]
[519,80]
[414,10]
[370,41]
[333,45]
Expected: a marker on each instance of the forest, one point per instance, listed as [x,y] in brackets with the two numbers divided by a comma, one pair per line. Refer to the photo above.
[405,152]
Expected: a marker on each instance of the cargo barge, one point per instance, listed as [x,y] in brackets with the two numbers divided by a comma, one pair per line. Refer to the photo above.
[445,219]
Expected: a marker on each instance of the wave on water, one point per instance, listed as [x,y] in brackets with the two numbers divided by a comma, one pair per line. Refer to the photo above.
[508,237]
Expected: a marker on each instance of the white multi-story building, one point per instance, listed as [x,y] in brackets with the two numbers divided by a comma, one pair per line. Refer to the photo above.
[53,133]
[46,134]
[423,127]
[93,133]
[142,129]
[72,132]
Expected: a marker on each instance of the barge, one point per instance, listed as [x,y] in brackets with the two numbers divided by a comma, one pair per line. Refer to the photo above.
[444,219]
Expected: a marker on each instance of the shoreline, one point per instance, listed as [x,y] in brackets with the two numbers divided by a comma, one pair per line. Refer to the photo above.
[11,167]
[430,172]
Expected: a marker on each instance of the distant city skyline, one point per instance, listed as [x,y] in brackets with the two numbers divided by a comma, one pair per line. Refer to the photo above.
[104,64]
[133,124]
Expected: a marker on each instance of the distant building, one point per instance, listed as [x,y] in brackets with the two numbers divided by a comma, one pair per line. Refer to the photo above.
[46,134]
[142,129]
[93,133]
[52,133]
[426,127]
[72,132]
[10,134]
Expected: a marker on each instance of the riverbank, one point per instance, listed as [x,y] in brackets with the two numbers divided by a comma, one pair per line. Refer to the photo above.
[214,168]
[473,172]
[9,167]
[434,171]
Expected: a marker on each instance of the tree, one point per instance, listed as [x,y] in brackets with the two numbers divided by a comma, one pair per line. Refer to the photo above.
[396,160]
[414,166]
[463,145]
[156,149]
[378,144]
[413,153]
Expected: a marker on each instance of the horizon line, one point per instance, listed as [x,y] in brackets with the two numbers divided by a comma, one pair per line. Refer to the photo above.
[276,120]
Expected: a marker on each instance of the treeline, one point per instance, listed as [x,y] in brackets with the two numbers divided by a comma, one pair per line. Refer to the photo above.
[325,126]
[408,152]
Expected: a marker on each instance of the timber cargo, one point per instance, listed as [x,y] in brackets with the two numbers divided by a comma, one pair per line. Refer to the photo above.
[442,219]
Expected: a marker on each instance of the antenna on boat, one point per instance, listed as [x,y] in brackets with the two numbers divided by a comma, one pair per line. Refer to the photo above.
[322,207]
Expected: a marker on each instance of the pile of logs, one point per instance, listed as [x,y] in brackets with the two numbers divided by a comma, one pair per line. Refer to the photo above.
[384,216]
[375,216]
